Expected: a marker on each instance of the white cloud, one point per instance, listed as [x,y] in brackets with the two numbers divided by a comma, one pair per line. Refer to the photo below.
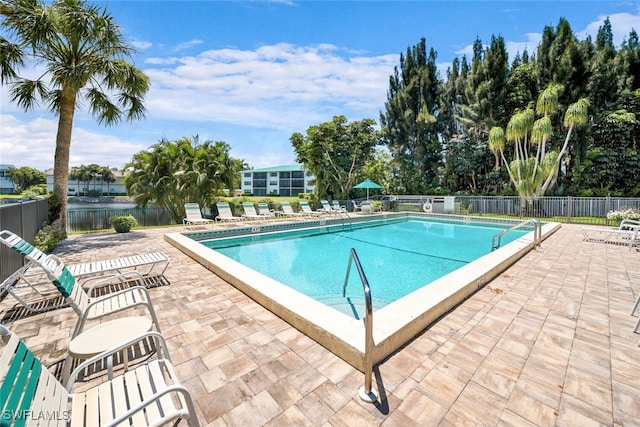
[272,86]
[621,26]
[141,44]
[32,143]
[274,89]
[513,47]
[187,45]
[27,143]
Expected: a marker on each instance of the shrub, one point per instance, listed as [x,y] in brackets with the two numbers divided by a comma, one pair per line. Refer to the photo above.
[123,223]
[48,238]
[53,208]
[625,213]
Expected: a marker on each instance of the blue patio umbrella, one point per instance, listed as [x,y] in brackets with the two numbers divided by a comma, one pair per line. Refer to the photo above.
[367,183]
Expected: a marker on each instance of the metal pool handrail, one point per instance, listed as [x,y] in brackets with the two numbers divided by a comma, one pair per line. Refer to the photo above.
[537,233]
[366,393]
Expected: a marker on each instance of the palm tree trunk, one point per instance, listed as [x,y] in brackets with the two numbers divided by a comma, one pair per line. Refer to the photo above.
[61,158]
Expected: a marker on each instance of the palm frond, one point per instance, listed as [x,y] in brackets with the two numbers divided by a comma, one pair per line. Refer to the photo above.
[26,93]
[11,58]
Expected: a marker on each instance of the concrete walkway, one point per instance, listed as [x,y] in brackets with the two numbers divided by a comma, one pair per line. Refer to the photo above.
[549,342]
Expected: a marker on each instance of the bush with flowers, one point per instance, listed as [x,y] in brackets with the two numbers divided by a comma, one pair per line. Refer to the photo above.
[626,213]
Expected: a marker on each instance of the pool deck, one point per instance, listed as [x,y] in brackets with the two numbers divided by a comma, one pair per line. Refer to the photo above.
[548,342]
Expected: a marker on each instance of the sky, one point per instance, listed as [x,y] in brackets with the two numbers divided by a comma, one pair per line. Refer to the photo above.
[252,73]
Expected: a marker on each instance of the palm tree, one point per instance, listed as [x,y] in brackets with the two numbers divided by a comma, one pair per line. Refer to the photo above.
[576,116]
[83,52]
[107,176]
[172,173]
[533,175]
[76,174]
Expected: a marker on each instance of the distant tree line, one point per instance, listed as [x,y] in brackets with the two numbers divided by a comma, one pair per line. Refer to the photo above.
[438,131]
[93,173]
[561,120]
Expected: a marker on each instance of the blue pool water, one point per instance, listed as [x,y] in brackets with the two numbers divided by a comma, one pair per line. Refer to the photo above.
[398,257]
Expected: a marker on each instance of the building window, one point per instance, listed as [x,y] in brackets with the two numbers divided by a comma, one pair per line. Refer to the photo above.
[247,174]
[297,174]
[272,183]
[273,174]
[247,183]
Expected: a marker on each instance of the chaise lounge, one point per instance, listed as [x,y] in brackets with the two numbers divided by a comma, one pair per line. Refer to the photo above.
[148,395]
[225,214]
[147,261]
[193,218]
[626,233]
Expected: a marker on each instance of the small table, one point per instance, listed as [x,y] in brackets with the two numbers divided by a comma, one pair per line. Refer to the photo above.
[103,337]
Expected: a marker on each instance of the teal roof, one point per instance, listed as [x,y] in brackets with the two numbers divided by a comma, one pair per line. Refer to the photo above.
[278,169]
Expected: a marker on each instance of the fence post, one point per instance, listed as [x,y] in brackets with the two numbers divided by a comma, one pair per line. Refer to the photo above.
[607,208]
[569,205]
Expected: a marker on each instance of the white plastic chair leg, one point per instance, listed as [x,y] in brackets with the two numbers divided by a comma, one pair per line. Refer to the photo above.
[635,305]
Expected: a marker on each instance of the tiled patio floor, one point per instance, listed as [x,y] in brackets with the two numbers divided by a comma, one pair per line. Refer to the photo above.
[549,342]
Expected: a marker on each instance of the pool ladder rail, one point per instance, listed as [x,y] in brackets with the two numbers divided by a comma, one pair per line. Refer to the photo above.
[366,393]
[537,233]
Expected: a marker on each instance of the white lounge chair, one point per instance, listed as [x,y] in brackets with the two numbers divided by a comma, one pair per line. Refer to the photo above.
[633,310]
[88,307]
[264,211]
[288,211]
[148,395]
[328,209]
[337,207]
[31,292]
[225,214]
[628,233]
[145,264]
[250,212]
[194,217]
[307,209]
[366,207]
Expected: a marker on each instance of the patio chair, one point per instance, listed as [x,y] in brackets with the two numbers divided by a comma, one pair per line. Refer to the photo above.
[194,217]
[307,209]
[264,211]
[250,212]
[366,207]
[327,208]
[337,207]
[633,310]
[81,271]
[288,211]
[225,214]
[88,308]
[150,394]
[628,232]
[34,296]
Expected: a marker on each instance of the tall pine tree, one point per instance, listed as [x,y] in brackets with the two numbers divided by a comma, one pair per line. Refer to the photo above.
[410,128]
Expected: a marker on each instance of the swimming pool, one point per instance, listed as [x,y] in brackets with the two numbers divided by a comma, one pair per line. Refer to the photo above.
[393,325]
[398,256]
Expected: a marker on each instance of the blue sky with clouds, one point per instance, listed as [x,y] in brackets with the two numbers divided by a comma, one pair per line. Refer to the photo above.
[251,73]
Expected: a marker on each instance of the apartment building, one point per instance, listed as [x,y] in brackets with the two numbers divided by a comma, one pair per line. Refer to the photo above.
[6,185]
[285,181]
[95,185]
